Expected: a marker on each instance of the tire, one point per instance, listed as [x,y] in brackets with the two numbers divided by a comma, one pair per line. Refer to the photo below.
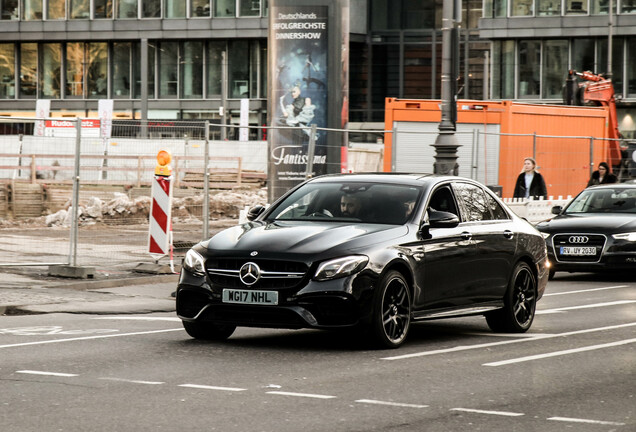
[208,331]
[391,317]
[520,303]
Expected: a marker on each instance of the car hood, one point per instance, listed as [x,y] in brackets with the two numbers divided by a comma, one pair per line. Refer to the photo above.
[615,222]
[294,238]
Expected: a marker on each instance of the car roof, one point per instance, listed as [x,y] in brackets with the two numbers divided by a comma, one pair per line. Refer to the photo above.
[614,186]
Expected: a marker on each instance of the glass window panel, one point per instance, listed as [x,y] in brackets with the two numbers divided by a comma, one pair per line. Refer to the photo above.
[168,70]
[495,8]
[121,70]
[254,62]
[51,65]
[174,9]
[56,9]
[583,54]
[628,6]
[575,7]
[215,68]
[555,66]
[631,66]
[263,77]
[417,71]
[75,69]
[418,15]
[32,10]
[600,7]
[103,8]
[137,70]
[225,8]
[126,8]
[97,81]
[192,70]
[151,8]
[200,8]
[238,69]
[28,70]
[80,9]
[9,10]
[529,68]
[549,7]
[521,8]
[250,7]
[7,71]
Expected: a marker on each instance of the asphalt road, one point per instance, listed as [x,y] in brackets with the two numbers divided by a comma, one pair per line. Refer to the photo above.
[574,371]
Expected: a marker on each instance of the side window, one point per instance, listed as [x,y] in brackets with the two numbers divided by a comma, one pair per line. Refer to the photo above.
[442,200]
[498,213]
[473,200]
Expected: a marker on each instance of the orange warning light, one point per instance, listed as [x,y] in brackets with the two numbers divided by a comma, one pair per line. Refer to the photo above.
[163,167]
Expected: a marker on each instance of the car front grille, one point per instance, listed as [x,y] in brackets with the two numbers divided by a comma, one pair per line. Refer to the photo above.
[575,247]
[225,272]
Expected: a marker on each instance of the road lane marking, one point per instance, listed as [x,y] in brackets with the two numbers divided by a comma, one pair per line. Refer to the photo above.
[132,381]
[58,374]
[306,395]
[590,306]
[500,413]
[206,387]
[88,338]
[491,344]
[579,420]
[560,353]
[586,291]
[397,404]
[139,318]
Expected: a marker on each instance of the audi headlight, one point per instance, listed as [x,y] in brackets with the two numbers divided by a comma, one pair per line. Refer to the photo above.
[193,262]
[631,236]
[340,267]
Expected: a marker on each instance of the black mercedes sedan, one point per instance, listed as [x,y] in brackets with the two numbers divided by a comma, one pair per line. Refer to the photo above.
[371,252]
[596,231]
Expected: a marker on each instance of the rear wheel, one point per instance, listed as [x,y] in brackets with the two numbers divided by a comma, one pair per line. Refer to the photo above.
[520,303]
[391,311]
[208,331]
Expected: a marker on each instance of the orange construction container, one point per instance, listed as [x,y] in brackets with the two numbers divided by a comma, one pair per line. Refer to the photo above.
[566,141]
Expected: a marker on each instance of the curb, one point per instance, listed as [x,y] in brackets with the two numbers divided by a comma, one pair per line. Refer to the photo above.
[114,283]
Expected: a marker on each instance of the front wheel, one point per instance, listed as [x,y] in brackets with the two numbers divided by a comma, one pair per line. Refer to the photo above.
[391,311]
[208,331]
[520,303]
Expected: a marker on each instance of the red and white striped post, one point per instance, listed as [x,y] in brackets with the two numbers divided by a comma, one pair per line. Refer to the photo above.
[159,238]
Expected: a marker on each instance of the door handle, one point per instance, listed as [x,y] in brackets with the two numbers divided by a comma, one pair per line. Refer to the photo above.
[508,234]
[466,235]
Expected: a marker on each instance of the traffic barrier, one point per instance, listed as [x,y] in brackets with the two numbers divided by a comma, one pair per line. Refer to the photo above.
[160,214]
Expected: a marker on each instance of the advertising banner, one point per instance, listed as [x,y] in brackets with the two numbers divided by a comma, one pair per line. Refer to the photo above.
[298,44]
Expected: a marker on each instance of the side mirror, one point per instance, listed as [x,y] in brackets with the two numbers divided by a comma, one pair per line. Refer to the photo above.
[255,212]
[557,210]
[442,219]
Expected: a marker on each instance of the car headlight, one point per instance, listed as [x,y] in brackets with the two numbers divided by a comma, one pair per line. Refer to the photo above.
[340,267]
[193,262]
[631,236]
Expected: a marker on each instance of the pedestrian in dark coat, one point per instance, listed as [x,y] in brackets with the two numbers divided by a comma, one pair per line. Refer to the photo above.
[602,175]
[530,183]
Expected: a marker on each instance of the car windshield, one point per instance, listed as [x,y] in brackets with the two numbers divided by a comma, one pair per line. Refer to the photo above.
[604,200]
[346,201]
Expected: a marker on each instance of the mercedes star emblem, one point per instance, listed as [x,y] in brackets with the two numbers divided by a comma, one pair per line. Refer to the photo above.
[249,273]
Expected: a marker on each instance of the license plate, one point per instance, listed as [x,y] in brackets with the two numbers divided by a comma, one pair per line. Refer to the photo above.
[579,250]
[250,297]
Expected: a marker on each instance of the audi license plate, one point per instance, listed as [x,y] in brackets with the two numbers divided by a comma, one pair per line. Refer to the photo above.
[578,250]
[250,297]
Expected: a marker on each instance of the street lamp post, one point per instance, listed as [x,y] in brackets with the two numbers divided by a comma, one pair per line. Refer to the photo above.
[446,142]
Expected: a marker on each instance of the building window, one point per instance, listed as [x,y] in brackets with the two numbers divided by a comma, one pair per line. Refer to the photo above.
[97,81]
[600,7]
[238,69]
[250,8]
[137,70]
[555,65]
[225,8]
[522,8]
[192,70]
[549,7]
[529,69]
[9,10]
[628,6]
[80,9]
[7,71]
[32,10]
[169,70]
[51,66]
[103,8]
[121,70]
[215,68]
[583,54]
[74,70]
[150,8]
[200,8]
[126,8]
[503,79]
[495,8]
[174,9]
[56,9]
[576,7]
